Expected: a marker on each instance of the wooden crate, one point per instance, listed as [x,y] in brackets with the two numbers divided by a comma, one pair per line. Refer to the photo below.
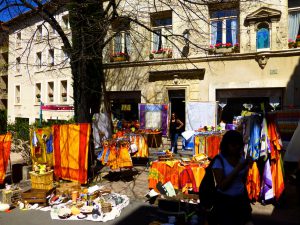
[37,196]
[42,181]
[11,196]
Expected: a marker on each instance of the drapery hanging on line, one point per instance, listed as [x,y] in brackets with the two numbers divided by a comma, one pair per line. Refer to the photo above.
[5,144]
[294,22]
[71,144]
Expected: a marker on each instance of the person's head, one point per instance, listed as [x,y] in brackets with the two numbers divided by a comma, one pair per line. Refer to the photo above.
[173,116]
[232,143]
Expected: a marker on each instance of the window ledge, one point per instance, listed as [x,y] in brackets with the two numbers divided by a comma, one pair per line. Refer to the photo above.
[263,49]
[17,104]
[18,75]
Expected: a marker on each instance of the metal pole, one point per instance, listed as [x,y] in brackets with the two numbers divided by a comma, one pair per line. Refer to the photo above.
[41,114]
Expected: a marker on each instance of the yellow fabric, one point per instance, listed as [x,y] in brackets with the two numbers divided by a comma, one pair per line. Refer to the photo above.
[42,158]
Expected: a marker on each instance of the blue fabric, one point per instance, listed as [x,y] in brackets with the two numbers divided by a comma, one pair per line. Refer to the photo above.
[237,187]
[49,144]
[219,31]
[213,37]
[228,31]
[174,139]
[153,108]
[254,142]
[263,38]
[234,31]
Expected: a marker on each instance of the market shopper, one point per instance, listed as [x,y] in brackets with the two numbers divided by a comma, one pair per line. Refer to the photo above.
[233,205]
[175,127]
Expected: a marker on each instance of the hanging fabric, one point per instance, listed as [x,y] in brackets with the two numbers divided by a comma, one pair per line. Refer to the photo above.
[254,142]
[267,191]
[41,145]
[294,22]
[5,144]
[277,177]
[253,182]
[71,144]
[265,142]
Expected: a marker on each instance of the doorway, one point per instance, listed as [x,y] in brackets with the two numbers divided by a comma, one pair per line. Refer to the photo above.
[177,100]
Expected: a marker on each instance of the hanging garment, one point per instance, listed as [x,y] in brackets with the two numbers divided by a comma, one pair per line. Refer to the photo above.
[200,144]
[253,183]
[267,191]
[277,177]
[213,145]
[186,177]
[41,145]
[71,144]
[5,144]
[141,142]
[101,128]
[274,137]
[265,142]
[254,142]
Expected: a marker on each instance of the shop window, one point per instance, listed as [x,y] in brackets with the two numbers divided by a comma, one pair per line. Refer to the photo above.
[162,28]
[39,61]
[51,57]
[224,26]
[18,63]
[51,91]
[17,94]
[39,33]
[64,90]
[263,37]
[38,92]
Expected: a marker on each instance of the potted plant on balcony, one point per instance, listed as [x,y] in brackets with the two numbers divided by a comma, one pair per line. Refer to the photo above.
[38,96]
[298,41]
[161,53]
[50,96]
[236,48]
[64,96]
[223,48]
[211,50]
[119,57]
[291,43]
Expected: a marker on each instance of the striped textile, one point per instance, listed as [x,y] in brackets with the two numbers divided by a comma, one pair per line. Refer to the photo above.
[71,144]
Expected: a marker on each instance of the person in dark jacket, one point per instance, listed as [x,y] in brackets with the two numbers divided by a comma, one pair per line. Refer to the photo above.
[175,127]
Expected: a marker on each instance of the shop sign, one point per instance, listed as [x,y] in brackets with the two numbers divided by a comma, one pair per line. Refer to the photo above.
[58,107]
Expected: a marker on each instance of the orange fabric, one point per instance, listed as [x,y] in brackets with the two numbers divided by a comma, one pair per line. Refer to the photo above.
[71,144]
[253,182]
[274,137]
[277,177]
[160,171]
[5,144]
[212,146]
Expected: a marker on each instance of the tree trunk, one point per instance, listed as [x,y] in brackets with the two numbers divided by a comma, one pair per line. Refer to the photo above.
[88,33]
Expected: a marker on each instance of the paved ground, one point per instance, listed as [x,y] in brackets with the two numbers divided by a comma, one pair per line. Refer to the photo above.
[140,213]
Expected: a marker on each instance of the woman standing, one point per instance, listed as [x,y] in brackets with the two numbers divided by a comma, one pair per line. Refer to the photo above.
[175,126]
[230,170]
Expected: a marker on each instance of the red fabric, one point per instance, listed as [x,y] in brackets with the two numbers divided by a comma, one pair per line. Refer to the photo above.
[212,145]
[56,147]
[253,182]
[5,144]
[274,137]
[187,177]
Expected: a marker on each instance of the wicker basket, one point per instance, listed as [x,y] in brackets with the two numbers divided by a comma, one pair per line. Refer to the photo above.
[42,181]
[11,196]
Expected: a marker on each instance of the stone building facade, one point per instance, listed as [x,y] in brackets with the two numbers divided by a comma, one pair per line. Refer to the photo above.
[180,61]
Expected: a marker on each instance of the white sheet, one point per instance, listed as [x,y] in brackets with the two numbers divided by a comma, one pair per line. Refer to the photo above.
[200,114]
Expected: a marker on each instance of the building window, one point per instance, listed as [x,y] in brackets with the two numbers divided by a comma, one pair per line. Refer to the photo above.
[18,40]
[18,62]
[38,92]
[64,54]
[51,57]
[224,27]
[263,36]
[50,91]
[162,27]
[39,61]
[66,22]
[294,22]
[17,94]
[122,43]
[39,33]
[64,90]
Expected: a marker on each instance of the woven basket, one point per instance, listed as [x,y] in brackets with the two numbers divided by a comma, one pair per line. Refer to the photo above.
[106,207]
[42,181]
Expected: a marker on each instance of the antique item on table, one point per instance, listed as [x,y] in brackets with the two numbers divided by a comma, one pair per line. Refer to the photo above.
[82,216]
[95,211]
[87,209]
[75,210]
[106,207]
[4,207]
[64,213]
[75,195]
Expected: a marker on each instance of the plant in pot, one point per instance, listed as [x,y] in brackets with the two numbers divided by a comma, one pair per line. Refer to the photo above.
[236,47]
[291,43]
[50,96]
[64,96]
[119,57]
[38,96]
[298,41]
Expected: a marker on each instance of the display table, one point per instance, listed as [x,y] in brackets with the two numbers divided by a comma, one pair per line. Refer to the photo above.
[154,140]
[181,176]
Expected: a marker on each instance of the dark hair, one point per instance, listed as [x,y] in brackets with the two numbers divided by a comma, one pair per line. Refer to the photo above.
[231,137]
